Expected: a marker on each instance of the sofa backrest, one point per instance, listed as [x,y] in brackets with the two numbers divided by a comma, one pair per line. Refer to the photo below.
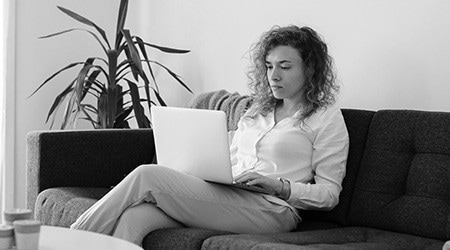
[403,183]
[357,122]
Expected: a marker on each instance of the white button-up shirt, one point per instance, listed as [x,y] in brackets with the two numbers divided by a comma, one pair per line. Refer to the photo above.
[312,155]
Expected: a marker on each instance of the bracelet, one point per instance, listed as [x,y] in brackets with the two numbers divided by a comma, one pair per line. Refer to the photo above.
[282,187]
[285,189]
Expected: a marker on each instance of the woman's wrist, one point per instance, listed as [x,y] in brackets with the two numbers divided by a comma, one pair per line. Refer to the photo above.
[285,190]
[280,187]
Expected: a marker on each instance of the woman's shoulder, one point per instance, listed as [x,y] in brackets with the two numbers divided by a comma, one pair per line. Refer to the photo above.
[327,113]
[327,122]
[325,116]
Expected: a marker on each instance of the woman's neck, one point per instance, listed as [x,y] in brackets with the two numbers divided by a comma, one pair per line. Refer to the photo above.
[290,106]
[286,109]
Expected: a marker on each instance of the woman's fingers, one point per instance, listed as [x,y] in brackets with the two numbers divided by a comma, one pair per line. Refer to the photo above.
[247,176]
[253,178]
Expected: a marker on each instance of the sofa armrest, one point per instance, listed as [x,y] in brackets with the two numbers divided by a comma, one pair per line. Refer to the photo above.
[84,158]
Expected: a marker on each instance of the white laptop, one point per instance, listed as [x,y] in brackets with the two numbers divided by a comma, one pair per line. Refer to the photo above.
[194,141]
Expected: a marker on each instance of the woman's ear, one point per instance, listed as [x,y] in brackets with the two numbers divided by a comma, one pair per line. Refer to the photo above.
[309,71]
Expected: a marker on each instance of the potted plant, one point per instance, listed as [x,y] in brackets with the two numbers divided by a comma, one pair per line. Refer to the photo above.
[114,81]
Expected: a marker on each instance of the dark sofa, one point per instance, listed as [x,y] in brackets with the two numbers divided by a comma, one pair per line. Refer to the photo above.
[396,194]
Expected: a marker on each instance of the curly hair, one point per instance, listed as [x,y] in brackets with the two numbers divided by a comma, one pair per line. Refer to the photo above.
[320,88]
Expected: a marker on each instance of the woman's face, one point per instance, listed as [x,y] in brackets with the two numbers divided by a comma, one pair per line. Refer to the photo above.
[286,73]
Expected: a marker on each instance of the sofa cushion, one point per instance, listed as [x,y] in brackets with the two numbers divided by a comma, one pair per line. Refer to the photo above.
[179,238]
[233,104]
[404,178]
[338,238]
[62,206]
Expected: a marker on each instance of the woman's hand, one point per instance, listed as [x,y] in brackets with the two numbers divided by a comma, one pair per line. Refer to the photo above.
[273,186]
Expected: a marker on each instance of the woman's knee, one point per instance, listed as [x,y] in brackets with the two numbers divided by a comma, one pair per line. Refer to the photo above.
[147,169]
[134,223]
[137,221]
[152,173]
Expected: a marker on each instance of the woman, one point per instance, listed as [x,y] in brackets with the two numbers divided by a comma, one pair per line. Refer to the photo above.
[291,141]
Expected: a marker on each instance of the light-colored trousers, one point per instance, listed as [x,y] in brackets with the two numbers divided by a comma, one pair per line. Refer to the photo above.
[153,197]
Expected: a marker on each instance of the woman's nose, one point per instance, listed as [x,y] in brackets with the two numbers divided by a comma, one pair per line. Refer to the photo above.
[274,74]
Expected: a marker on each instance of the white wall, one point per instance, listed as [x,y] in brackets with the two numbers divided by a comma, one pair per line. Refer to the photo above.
[388,53]
[7,171]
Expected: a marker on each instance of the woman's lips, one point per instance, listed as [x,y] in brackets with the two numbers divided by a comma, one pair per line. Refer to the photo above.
[275,87]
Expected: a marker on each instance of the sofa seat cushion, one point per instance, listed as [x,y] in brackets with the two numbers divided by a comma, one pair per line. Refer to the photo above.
[179,238]
[62,206]
[336,238]
[192,238]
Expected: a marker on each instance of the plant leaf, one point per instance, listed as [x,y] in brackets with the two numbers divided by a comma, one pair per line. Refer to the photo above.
[85,21]
[123,70]
[160,99]
[102,111]
[124,113]
[88,117]
[133,52]
[119,104]
[111,104]
[121,124]
[112,68]
[173,75]
[100,85]
[137,107]
[136,67]
[57,103]
[55,74]
[89,107]
[91,80]
[122,16]
[69,112]
[70,30]
[141,45]
[57,33]
[81,79]
[122,118]
[129,64]
[167,49]
[59,99]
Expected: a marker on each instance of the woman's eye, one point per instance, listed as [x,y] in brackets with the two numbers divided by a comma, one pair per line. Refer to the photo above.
[285,67]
